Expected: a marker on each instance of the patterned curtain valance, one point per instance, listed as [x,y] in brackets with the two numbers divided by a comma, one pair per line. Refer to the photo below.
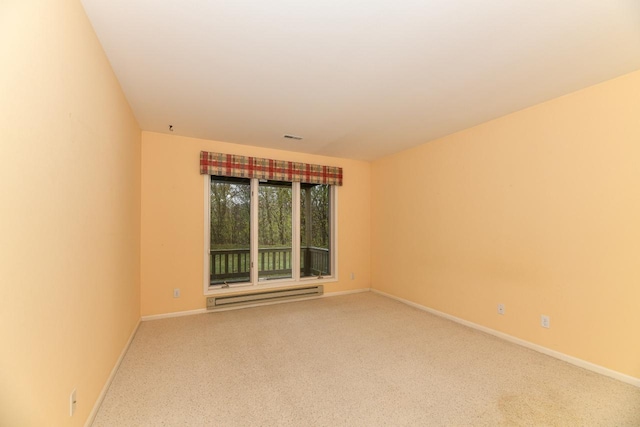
[277,170]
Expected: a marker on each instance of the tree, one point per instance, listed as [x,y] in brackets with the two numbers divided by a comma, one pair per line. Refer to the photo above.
[230,214]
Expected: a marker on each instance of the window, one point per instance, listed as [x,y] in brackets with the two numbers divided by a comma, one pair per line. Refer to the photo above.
[315,230]
[275,230]
[259,230]
[230,230]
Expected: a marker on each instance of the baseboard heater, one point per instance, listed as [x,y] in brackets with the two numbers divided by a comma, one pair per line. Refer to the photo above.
[224,301]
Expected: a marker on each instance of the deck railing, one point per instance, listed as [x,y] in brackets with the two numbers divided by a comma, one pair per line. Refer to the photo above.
[233,265]
[314,261]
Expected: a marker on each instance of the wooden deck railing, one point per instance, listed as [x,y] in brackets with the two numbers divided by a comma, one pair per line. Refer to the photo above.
[233,265]
[314,261]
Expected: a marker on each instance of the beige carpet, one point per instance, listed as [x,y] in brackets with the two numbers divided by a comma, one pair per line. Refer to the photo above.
[355,360]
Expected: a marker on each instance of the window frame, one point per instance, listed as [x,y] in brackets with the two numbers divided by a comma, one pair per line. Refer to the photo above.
[254,283]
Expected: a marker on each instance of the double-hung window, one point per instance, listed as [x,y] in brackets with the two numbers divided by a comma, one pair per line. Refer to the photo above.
[272,228]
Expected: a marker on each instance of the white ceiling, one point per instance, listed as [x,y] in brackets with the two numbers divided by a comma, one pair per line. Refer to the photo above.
[357,79]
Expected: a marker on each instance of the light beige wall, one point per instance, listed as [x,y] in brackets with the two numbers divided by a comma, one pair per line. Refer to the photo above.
[69,214]
[173,219]
[539,210]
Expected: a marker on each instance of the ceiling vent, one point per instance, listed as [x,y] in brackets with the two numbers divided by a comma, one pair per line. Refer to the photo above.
[298,138]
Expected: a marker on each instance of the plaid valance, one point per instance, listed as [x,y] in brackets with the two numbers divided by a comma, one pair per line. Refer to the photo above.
[277,170]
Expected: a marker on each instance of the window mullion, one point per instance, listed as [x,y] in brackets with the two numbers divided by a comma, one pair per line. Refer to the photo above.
[333,233]
[295,234]
[254,231]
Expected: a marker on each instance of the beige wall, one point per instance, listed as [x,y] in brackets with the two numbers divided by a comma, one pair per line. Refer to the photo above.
[173,219]
[539,210]
[69,214]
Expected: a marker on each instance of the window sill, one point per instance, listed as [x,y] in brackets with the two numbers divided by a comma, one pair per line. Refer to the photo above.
[281,284]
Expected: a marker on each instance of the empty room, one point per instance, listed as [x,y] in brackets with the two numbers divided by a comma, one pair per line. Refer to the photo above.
[219,213]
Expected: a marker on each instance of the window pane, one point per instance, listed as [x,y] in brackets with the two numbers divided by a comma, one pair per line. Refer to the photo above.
[229,255]
[274,230]
[315,230]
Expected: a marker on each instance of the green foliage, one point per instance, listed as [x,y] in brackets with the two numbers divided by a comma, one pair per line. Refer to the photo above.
[230,215]
[231,211]
[315,207]
[274,215]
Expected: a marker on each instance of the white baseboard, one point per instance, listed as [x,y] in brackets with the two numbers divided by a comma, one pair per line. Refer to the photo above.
[204,310]
[96,406]
[544,350]
[174,314]
[338,293]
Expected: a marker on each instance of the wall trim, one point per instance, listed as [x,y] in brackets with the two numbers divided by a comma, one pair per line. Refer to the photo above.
[107,384]
[204,310]
[173,314]
[540,349]
[349,292]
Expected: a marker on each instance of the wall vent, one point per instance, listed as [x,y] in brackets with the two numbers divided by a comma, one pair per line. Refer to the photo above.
[263,297]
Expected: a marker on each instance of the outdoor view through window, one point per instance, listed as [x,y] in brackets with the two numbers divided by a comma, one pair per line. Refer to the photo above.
[230,254]
[274,230]
[230,231]
[315,227]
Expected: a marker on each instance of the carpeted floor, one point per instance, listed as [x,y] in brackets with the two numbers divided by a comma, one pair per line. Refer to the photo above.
[354,360]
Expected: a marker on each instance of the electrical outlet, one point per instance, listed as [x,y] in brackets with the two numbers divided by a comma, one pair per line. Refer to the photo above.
[176,293]
[353,275]
[545,322]
[500,308]
[72,402]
